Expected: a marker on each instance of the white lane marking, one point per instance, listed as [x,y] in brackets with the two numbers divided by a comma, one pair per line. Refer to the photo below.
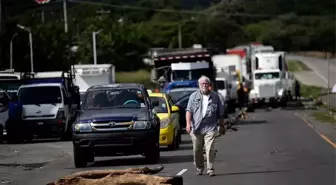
[322,77]
[181,172]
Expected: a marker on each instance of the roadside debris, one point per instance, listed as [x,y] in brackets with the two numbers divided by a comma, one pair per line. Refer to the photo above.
[134,176]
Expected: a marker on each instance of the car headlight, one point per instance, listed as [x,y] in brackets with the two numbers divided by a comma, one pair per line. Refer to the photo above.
[83,127]
[164,122]
[280,93]
[142,125]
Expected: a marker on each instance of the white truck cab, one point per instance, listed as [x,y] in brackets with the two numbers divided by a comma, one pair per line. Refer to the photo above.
[47,105]
[44,102]
[268,86]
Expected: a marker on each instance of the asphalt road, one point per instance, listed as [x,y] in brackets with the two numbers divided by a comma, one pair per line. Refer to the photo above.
[320,68]
[319,74]
[270,148]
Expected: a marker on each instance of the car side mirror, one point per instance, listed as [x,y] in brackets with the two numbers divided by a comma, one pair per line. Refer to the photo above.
[155,103]
[175,108]
[229,86]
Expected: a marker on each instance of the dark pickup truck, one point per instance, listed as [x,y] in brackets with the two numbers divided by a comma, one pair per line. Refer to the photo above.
[116,119]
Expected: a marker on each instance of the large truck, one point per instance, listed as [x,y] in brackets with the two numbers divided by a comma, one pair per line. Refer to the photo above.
[87,75]
[271,80]
[49,103]
[258,58]
[184,64]
[229,67]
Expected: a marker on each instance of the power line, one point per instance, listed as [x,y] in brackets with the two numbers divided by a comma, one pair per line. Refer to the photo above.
[203,12]
[191,12]
[165,10]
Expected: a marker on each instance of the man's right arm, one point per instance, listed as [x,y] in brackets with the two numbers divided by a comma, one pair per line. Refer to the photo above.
[189,111]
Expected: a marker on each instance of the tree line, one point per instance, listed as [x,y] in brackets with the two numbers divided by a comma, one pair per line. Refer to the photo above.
[127,33]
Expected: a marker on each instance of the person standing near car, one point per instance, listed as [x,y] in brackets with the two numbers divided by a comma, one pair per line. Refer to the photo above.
[203,111]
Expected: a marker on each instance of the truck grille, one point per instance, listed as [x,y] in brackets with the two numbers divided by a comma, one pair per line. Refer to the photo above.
[111,126]
[267,90]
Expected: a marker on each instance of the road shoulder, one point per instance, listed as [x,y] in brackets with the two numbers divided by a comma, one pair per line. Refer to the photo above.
[327,130]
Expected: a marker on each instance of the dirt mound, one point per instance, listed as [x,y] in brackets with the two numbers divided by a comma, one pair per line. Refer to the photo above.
[132,176]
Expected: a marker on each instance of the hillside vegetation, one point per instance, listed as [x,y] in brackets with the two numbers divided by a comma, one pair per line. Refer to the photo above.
[134,26]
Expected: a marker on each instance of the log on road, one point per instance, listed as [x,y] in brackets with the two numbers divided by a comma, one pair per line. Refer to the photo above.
[134,176]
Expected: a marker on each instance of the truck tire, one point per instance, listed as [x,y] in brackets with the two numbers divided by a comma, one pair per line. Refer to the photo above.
[80,158]
[152,155]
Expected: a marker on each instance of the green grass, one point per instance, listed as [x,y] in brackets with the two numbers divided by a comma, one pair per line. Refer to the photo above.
[140,76]
[297,66]
[325,117]
[309,91]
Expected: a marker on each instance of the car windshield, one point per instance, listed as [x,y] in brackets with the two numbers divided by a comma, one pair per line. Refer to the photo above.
[270,75]
[162,107]
[114,98]
[40,95]
[176,95]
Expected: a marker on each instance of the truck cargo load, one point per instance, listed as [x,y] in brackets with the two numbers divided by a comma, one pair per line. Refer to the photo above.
[87,75]
[182,64]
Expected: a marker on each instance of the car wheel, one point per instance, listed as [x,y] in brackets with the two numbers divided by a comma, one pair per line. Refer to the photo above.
[79,157]
[179,138]
[14,136]
[153,154]
[174,144]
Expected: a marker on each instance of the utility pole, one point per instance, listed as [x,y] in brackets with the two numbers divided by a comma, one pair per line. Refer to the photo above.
[42,15]
[42,2]
[0,15]
[179,36]
[11,51]
[30,44]
[65,16]
[94,46]
[328,81]
[31,52]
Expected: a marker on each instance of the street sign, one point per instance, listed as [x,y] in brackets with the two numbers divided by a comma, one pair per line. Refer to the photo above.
[42,1]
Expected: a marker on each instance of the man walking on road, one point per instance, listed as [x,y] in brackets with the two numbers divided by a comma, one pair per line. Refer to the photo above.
[203,111]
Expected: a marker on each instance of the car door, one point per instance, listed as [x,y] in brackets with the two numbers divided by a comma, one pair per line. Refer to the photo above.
[67,112]
[175,116]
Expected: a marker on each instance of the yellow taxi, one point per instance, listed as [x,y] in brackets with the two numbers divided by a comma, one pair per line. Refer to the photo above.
[170,129]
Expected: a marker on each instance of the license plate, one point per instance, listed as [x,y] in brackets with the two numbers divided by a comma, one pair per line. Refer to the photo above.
[40,123]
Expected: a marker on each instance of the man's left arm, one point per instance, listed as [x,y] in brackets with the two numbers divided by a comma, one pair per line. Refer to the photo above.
[221,112]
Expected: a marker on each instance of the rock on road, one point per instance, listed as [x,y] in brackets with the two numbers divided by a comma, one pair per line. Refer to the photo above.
[275,147]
